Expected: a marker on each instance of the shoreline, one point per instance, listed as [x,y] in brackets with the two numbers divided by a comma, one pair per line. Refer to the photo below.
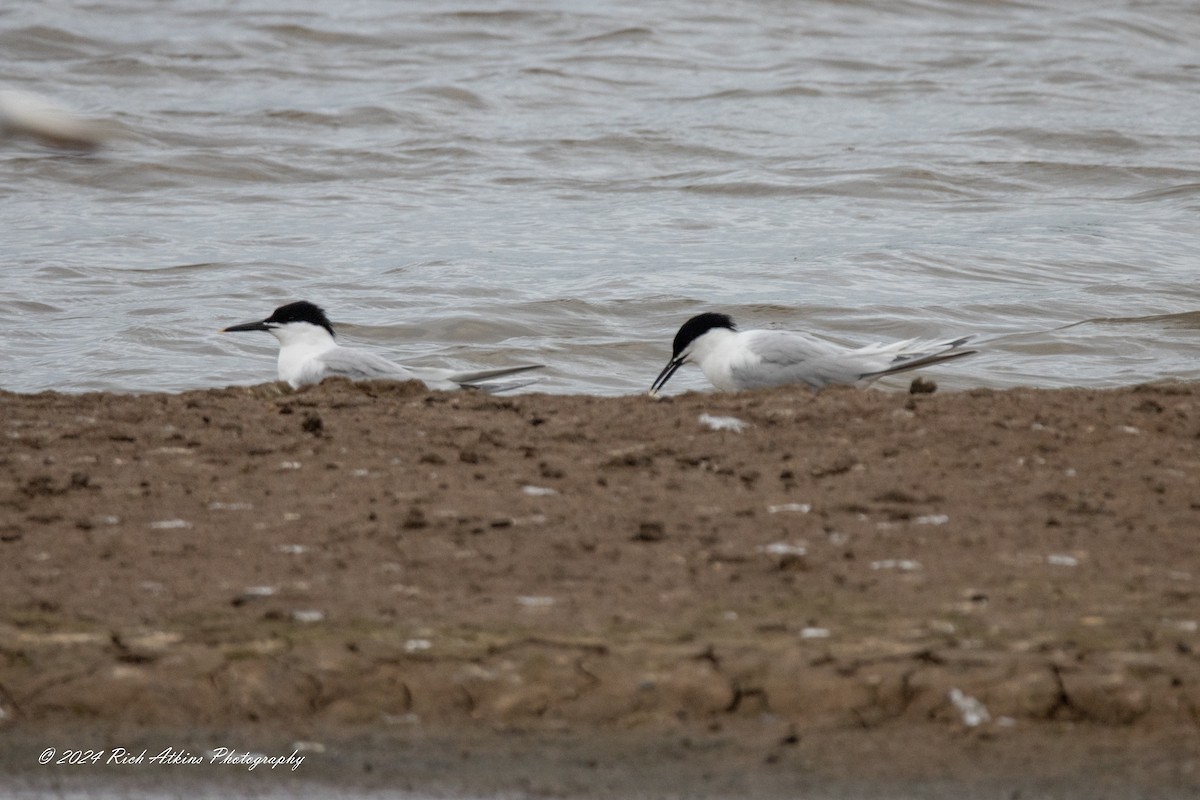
[963,581]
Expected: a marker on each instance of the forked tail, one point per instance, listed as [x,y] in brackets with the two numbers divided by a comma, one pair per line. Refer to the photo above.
[916,358]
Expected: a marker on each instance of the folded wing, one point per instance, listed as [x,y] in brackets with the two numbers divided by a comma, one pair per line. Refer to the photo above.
[786,357]
[365,365]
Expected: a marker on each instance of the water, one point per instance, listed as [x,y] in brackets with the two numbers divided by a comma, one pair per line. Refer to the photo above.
[566,182]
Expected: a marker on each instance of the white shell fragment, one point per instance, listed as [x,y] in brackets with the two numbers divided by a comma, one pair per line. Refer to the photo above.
[170,524]
[799,508]
[902,564]
[785,549]
[722,423]
[973,712]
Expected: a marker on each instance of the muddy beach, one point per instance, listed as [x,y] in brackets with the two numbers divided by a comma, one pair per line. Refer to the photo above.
[705,595]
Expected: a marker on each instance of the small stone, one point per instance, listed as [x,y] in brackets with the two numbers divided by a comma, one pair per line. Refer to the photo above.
[650,532]
[415,519]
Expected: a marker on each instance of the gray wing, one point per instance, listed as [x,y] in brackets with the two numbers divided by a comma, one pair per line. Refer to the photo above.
[364,365]
[361,365]
[776,358]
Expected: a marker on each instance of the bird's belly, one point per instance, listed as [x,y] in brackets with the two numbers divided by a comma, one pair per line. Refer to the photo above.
[299,371]
[721,377]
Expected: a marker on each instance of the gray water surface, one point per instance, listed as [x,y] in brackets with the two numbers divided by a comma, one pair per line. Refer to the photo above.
[566,182]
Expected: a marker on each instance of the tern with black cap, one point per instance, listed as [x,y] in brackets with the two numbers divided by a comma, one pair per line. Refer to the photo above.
[309,354]
[734,360]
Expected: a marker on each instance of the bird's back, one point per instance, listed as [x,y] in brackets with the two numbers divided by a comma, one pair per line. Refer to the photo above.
[766,358]
[356,365]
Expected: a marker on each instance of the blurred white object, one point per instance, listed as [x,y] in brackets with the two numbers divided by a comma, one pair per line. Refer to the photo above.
[33,116]
[722,423]
[973,712]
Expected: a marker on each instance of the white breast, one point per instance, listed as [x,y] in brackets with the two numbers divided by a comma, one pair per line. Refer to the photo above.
[299,346]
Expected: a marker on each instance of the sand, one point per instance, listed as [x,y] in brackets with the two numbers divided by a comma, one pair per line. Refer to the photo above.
[706,595]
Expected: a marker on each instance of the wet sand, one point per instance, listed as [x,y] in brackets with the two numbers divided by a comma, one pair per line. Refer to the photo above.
[858,590]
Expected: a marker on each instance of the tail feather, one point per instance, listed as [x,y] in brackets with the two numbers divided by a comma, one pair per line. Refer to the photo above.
[915,358]
[497,387]
[485,379]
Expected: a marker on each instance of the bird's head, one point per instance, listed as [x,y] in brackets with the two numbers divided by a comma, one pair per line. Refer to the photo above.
[685,343]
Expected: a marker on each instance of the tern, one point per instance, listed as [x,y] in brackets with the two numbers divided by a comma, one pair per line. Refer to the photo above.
[309,354]
[734,360]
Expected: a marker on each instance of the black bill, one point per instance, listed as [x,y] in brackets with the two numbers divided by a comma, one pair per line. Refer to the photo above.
[665,376]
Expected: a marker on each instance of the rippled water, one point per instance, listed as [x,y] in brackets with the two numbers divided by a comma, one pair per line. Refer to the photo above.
[474,183]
